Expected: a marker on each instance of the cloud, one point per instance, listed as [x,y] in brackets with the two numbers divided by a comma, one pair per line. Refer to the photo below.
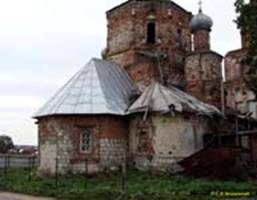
[40,18]
[20,101]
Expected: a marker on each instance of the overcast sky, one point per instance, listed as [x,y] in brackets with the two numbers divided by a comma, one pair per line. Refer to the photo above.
[44,42]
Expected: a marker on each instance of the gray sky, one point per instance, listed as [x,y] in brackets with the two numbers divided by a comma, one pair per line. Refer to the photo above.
[44,42]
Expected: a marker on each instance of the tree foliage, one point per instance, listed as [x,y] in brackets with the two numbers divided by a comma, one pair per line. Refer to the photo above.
[247,23]
[6,143]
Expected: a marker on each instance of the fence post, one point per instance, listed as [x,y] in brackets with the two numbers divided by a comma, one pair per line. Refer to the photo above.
[123,181]
[56,172]
[6,165]
[8,161]
[33,161]
[86,171]
[30,167]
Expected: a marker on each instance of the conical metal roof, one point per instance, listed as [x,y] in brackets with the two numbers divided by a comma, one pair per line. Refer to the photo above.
[100,87]
[158,98]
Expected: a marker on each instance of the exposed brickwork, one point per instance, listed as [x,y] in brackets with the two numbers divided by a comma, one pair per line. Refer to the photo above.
[238,95]
[127,36]
[203,76]
[170,140]
[59,138]
[202,40]
[113,152]
[233,67]
[161,140]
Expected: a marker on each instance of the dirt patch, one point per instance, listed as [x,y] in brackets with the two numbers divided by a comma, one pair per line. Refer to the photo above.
[12,196]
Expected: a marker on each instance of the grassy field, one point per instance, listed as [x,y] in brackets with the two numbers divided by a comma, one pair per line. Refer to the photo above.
[139,186]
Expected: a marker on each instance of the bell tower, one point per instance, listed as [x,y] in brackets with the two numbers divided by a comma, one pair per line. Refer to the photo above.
[203,68]
[149,39]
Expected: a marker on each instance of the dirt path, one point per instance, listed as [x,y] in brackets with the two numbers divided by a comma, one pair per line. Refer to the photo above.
[12,196]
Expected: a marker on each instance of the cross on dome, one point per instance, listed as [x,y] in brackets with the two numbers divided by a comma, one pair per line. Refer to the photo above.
[200,3]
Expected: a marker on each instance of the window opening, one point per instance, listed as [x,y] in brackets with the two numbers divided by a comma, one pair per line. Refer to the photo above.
[86,140]
[151,33]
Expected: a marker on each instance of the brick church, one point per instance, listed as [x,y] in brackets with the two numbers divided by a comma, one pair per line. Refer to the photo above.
[149,101]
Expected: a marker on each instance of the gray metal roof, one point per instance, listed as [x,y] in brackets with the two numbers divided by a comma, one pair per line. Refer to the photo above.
[201,21]
[100,87]
[161,99]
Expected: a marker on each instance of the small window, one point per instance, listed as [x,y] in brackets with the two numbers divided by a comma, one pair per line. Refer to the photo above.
[179,37]
[151,33]
[142,145]
[86,140]
[179,34]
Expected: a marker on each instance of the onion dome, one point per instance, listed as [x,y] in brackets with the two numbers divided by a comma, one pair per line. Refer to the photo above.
[201,22]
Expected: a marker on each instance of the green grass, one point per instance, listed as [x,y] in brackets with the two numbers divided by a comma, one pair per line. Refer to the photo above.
[139,186]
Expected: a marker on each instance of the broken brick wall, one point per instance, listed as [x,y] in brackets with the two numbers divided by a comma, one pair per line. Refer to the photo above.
[170,139]
[203,74]
[202,40]
[59,138]
[237,93]
[127,37]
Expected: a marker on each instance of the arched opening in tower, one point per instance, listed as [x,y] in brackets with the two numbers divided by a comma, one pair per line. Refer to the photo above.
[151,33]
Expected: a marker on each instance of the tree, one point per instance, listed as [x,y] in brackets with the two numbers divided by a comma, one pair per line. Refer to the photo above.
[247,23]
[6,143]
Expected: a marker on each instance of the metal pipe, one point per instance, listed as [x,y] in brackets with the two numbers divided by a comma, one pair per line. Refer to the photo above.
[222,96]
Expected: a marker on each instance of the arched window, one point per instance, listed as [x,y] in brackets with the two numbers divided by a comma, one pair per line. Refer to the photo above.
[151,33]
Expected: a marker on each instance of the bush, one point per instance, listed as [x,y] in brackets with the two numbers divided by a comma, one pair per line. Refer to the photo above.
[6,143]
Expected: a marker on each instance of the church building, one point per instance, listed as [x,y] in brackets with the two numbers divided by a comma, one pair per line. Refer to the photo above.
[148,102]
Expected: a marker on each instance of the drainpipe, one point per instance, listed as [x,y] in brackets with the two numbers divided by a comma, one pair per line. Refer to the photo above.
[222,96]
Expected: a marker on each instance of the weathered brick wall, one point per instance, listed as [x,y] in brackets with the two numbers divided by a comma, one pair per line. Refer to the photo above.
[113,152]
[234,70]
[170,140]
[202,40]
[235,86]
[59,138]
[127,28]
[203,73]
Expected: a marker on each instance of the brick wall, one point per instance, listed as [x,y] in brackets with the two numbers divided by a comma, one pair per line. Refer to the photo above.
[127,28]
[170,140]
[59,138]
[202,40]
[235,86]
[203,76]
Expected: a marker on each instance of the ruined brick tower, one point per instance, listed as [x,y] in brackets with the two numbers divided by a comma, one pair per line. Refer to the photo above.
[239,96]
[203,69]
[150,39]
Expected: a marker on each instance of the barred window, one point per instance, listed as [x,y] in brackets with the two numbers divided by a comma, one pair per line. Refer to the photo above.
[86,140]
